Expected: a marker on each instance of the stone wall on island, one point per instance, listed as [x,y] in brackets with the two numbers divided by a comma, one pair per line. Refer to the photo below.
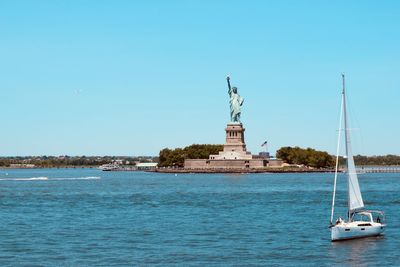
[225,163]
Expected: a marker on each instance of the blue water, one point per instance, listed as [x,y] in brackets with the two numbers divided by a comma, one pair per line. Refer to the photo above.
[85,217]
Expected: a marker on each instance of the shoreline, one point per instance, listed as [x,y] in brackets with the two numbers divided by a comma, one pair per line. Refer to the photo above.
[269,170]
[361,169]
[53,167]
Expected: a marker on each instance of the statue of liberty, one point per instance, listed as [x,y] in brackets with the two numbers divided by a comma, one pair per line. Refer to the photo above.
[235,102]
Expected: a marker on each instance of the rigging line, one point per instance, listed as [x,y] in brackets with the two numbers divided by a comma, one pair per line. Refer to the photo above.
[353,118]
[337,160]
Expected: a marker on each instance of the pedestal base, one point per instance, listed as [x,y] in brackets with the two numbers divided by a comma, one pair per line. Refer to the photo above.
[235,146]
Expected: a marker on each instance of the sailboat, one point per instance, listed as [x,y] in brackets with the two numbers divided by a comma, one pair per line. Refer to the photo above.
[360,221]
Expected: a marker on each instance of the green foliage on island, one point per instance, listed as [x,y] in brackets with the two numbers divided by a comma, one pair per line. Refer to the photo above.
[377,160]
[308,157]
[70,161]
[176,157]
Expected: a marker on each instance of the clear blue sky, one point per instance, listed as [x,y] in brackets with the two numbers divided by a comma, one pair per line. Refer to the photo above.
[133,77]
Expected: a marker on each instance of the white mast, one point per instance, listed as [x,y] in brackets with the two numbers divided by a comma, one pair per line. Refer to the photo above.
[337,158]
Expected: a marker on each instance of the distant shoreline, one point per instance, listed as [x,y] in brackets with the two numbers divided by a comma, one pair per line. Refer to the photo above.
[182,170]
[50,167]
[266,170]
[361,169]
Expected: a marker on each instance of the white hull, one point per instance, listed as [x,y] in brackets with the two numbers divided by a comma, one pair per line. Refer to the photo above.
[353,230]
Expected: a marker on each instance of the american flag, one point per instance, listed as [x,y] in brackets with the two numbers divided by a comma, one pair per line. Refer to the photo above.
[264,144]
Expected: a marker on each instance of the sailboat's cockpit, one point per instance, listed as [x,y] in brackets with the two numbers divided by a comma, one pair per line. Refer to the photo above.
[368,216]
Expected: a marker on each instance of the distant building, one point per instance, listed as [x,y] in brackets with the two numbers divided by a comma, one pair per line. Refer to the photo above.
[118,161]
[264,155]
[22,166]
[146,166]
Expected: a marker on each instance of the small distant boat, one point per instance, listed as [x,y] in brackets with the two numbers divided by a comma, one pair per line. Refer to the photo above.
[109,167]
[360,222]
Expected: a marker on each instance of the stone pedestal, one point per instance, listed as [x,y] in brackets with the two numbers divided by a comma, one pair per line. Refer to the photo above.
[234,140]
[235,146]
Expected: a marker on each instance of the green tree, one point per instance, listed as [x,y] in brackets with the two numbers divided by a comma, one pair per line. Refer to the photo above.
[308,157]
[176,157]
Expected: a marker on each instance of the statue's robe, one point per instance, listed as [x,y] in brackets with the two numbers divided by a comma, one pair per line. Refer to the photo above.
[235,102]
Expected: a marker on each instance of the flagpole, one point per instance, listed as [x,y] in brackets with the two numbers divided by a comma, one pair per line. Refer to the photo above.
[266,147]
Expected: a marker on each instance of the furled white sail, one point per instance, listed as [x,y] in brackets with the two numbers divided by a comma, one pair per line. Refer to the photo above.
[355,198]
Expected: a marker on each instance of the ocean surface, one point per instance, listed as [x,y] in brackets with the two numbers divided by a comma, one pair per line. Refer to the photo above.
[85,217]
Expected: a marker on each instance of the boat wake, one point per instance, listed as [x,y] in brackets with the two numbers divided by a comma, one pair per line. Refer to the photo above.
[51,179]
[78,178]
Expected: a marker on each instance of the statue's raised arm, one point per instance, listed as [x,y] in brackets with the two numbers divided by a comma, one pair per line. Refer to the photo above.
[228,79]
